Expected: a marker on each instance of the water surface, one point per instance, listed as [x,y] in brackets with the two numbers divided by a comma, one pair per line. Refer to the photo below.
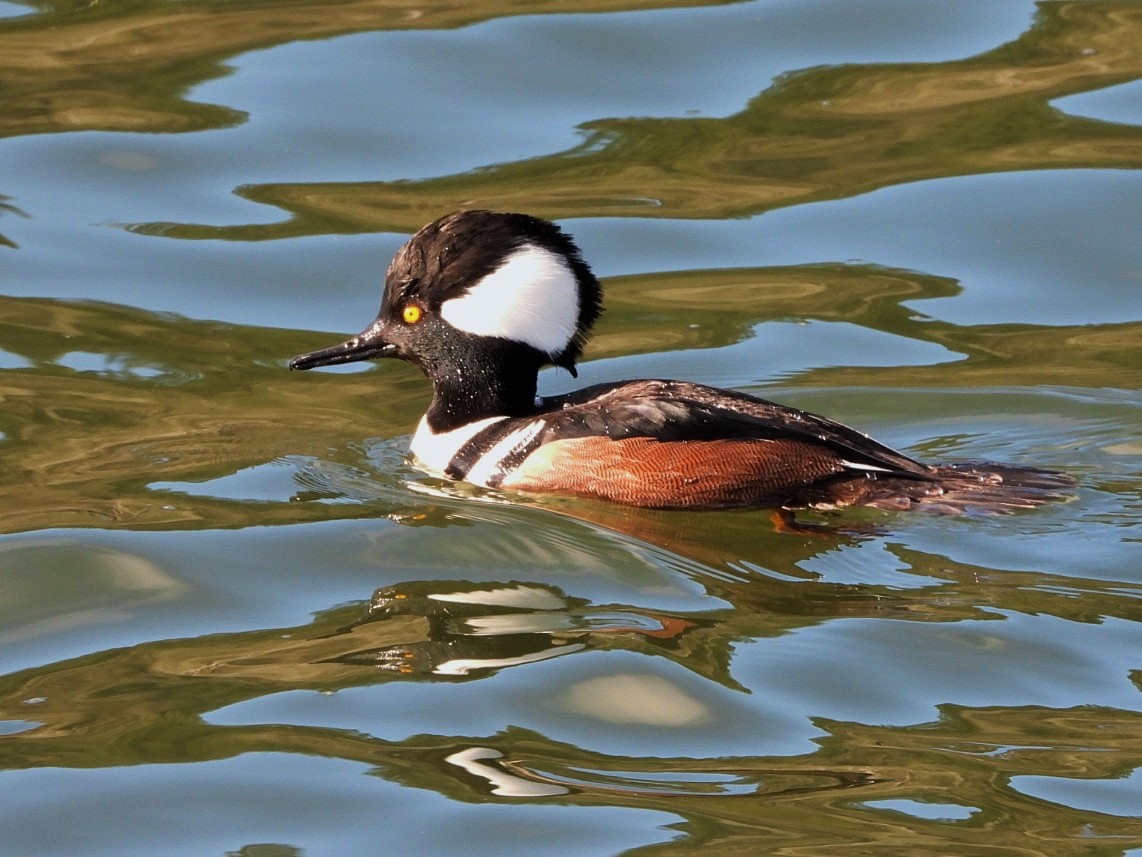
[235,620]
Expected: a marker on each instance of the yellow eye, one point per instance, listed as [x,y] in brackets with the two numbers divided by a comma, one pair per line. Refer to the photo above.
[411,314]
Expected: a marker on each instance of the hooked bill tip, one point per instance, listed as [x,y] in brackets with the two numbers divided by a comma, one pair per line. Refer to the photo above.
[324,357]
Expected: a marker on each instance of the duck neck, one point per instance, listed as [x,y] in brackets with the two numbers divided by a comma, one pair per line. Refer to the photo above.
[483,384]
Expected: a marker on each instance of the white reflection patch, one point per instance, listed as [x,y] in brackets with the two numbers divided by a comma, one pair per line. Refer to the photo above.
[629,698]
[503,783]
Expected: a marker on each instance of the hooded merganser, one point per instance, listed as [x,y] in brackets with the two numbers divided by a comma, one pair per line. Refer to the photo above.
[481,301]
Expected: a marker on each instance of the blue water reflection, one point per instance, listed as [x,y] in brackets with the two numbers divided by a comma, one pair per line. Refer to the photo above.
[235,619]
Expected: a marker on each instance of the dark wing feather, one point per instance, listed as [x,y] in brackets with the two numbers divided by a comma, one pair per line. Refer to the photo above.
[682,411]
[673,444]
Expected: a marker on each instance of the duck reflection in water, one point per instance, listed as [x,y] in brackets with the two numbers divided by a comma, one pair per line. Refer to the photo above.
[472,629]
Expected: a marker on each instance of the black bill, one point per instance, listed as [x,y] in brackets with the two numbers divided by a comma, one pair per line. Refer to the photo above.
[367,345]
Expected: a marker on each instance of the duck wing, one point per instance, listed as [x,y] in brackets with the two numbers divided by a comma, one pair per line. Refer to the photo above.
[672,444]
[679,411]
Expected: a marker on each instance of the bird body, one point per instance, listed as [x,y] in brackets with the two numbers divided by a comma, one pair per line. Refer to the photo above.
[481,301]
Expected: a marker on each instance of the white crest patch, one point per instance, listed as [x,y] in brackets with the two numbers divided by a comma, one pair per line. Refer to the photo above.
[532,297]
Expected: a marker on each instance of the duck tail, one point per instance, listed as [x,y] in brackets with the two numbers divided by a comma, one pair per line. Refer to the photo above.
[987,487]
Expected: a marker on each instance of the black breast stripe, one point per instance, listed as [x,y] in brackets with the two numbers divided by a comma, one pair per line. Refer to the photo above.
[515,457]
[478,444]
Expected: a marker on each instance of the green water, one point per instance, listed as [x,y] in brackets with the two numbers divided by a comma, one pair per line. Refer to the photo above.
[234,620]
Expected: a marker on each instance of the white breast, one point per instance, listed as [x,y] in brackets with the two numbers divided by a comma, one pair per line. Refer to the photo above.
[434,452]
